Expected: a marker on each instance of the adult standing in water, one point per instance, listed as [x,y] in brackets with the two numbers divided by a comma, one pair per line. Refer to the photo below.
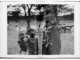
[53,38]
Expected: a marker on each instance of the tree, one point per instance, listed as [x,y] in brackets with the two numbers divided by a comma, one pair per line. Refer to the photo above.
[40,16]
[57,9]
[25,7]
[60,9]
[29,7]
[15,14]
[29,14]
[13,10]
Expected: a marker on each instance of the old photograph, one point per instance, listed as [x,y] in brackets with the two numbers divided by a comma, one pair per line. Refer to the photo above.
[40,29]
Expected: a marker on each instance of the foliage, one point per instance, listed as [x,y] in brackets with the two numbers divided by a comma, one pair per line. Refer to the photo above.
[44,9]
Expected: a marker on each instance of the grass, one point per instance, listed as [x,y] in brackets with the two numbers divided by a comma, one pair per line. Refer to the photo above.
[67,42]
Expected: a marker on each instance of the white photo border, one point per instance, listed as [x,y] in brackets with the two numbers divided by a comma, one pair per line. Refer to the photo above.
[4,31]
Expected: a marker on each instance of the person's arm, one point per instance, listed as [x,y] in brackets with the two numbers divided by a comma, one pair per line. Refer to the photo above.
[27,41]
[48,31]
[49,27]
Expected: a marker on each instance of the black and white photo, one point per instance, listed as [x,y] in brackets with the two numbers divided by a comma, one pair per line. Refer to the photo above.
[40,29]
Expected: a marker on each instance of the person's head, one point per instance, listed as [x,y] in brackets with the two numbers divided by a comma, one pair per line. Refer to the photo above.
[30,31]
[48,23]
[54,22]
[21,35]
[32,35]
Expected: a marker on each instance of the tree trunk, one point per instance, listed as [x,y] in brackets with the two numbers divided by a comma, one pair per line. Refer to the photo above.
[28,21]
[40,36]
[27,18]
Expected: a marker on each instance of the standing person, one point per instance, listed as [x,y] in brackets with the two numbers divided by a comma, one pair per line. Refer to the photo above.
[32,43]
[53,38]
[22,43]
